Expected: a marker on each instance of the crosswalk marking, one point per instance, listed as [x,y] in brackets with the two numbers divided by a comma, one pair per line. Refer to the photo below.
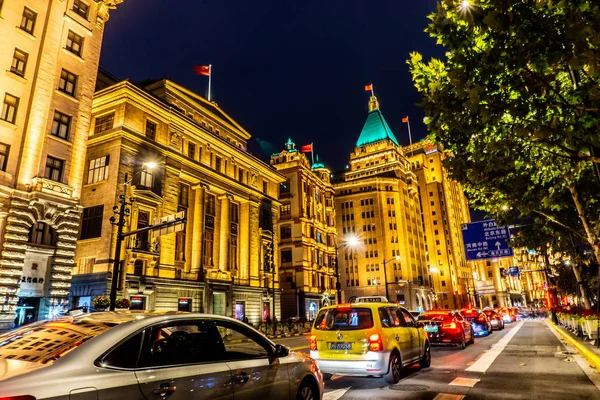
[488,358]
[335,394]
[448,396]
[464,382]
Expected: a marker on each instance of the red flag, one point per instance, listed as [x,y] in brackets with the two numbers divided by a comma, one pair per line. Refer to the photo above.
[369,87]
[306,148]
[405,120]
[202,70]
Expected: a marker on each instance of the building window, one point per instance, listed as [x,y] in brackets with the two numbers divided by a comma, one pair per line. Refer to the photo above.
[180,246]
[61,125]
[286,256]
[81,8]
[240,175]
[218,163]
[233,246]
[4,150]
[85,265]
[286,232]
[19,62]
[209,226]
[146,178]
[54,169]
[285,209]
[150,130]
[104,123]
[143,221]
[9,109]
[91,223]
[284,187]
[265,187]
[74,43]
[43,234]
[67,83]
[184,193]
[98,170]
[208,246]
[191,150]
[28,20]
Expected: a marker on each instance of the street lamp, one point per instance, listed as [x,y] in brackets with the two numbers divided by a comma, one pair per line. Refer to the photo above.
[385,281]
[351,242]
[122,211]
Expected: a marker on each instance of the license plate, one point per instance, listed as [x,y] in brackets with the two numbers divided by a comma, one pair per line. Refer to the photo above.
[340,346]
[431,328]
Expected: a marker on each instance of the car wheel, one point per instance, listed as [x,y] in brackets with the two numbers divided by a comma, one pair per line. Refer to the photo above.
[426,359]
[307,392]
[395,369]
[472,339]
[327,377]
[462,344]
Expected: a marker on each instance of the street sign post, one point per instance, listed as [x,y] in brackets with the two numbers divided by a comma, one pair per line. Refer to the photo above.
[514,271]
[484,240]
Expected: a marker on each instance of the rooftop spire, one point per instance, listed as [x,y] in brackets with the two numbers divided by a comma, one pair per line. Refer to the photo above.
[373,103]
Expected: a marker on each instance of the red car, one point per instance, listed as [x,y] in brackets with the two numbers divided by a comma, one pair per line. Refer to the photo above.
[446,327]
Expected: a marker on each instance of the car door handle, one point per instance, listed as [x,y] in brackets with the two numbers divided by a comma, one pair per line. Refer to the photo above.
[165,388]
[242,377]
[397,338]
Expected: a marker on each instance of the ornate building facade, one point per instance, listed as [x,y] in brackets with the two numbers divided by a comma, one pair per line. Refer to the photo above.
[307,234]
[377,202]
[49,52]
[444,209]
[229,197]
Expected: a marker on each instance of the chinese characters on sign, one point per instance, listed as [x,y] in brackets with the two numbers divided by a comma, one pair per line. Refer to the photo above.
[485,240]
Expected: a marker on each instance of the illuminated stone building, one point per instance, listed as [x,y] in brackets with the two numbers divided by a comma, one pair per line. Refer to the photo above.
[49,52]
[377,200]
[444,209]
[229,197]
[307,234]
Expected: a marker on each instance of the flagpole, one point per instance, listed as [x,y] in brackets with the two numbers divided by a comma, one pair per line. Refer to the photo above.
[409,135]
[372,92]
[209,79]
[312,154]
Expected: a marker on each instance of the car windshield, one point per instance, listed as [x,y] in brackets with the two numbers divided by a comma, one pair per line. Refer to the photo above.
[46,341]
[344,319]
[434,317]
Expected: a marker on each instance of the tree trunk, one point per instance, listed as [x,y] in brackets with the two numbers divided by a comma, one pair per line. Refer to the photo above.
[582,291]
[592,238]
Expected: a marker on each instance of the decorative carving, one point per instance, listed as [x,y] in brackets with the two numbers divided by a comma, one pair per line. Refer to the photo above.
[175,140]
[103,9]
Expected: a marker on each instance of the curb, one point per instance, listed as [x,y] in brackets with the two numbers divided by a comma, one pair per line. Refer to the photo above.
[592,358]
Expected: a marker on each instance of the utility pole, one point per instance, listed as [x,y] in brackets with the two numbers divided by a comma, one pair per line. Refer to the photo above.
[123,210]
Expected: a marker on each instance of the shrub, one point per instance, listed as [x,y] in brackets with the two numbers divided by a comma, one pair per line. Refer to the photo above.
[101,302]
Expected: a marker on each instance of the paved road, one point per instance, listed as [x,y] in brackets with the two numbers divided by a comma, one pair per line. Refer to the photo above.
[524,361]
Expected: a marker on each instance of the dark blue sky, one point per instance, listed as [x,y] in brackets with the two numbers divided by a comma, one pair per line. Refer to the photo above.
[282,68]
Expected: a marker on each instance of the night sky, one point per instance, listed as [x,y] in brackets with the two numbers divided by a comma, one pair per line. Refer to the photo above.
[282,68]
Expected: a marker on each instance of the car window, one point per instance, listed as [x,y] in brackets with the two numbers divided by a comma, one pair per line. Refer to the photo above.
[434,317]
[389,317]
[241,343]
[407,319]
[344,319]
[180,343]
[126,354]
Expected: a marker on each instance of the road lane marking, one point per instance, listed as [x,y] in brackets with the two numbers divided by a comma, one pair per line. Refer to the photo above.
[335,394]
[448,396]
[334,377]
[488,358]
[468,382]
[298,348]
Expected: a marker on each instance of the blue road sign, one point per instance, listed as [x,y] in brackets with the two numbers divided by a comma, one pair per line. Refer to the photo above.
[514,271]
[485,240]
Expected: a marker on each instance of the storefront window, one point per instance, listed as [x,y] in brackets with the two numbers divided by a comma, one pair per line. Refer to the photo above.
[240,310]
[184,304]
[138,303]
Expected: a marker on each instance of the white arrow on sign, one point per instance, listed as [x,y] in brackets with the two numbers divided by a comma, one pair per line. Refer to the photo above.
[498,244]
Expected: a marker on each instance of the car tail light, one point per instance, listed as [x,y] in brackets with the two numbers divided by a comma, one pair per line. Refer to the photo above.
[313,342]
[344,306]
[451,325]
[375,342]
[26,397]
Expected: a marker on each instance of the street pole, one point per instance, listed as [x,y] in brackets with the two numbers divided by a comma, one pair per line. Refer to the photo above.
[117,258]
[273,279]
[385,281]
[338,286]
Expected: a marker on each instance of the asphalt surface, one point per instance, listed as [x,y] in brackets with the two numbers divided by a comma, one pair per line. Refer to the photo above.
[526,360]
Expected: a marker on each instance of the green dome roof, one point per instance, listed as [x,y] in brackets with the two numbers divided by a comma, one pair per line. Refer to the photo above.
[375,129]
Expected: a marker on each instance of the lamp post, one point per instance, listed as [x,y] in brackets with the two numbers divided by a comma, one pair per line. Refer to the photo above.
[351,242]
[122,211]
[385,281]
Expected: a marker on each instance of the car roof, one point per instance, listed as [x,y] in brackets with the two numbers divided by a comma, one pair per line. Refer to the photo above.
[365,304]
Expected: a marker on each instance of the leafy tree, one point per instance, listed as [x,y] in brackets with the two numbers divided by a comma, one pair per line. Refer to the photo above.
[517,104]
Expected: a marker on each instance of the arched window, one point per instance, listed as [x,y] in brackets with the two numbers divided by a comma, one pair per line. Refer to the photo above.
[42,233]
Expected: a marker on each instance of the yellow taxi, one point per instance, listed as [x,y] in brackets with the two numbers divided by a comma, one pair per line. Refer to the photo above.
[368,339]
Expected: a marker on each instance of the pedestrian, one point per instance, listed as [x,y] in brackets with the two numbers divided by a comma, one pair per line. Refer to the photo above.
[268,320]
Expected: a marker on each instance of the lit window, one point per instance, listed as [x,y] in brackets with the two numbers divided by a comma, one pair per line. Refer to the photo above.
[54,169]
[9,109]
[104,123]
[67,83]
[4,150]
[74,43]
[81,8]
[150,130]
[28,20]
[98,170]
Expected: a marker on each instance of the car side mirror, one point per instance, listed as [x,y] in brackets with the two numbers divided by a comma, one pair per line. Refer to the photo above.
[281,351]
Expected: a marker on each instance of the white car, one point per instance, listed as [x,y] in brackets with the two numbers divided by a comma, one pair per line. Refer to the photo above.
[151,356]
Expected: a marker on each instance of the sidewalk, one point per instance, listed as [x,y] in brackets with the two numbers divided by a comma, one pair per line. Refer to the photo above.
[585,347]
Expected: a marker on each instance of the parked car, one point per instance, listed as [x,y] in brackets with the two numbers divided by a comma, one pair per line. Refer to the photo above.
[113,355]
[508,314]
[479,321]
[447,327]
[368,339]
[495,319]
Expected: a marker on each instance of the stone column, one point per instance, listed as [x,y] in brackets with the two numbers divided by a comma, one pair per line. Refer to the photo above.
[224,235]
[244,241]
[255,241]
[197,230]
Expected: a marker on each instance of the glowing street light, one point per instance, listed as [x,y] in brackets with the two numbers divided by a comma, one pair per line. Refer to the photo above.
[150,165]
[465,4]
